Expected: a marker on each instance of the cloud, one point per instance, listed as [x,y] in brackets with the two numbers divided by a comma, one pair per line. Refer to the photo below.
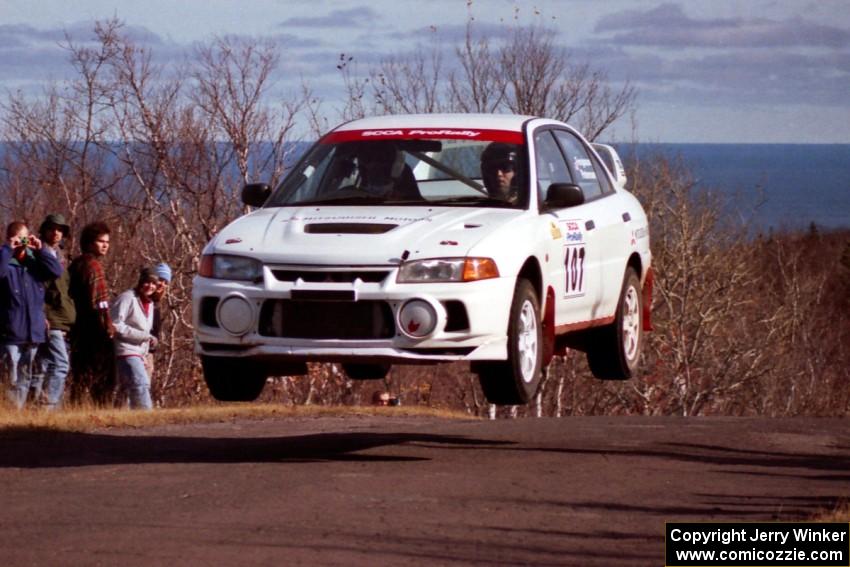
[753,77]
[32,55]
[456,33]
[353,17]
[667,25]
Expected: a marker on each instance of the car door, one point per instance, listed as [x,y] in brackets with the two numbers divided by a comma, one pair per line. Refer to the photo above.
[605,217]
[573,265]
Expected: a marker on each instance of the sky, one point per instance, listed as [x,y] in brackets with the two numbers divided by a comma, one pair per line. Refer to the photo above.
[706,71]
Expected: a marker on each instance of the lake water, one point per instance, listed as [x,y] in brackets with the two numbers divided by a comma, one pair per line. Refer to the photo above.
[802,183]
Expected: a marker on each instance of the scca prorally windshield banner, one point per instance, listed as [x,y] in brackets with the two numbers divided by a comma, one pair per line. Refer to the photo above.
[506,136]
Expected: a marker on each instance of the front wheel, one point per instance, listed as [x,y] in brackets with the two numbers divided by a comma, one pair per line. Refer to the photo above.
[515,381]
[613,351]
[233,379]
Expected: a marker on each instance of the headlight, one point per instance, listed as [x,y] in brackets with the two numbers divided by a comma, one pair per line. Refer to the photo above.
[447,270]
[224,267]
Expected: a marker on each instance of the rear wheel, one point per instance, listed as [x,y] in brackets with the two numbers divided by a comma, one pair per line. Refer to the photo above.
[515,381]
[360,371]
[613,351]
[233,379]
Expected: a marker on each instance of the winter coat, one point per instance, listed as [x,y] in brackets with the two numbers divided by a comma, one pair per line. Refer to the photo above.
[22,295]
[132,325]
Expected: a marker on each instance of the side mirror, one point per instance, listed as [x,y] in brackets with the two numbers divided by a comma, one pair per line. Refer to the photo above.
[563,195]
[613,162]
[255,194]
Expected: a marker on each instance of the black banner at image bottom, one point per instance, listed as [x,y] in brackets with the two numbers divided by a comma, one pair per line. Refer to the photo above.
[746,544]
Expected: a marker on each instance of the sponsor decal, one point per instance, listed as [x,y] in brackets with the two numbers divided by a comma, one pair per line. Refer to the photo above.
[483,134]
[233,241]
[640,232]
[405,219]
[556,232]
[381,133]
[585,168]
[452,133]
[412,326]
[572,232]
[340,217]
[448,243]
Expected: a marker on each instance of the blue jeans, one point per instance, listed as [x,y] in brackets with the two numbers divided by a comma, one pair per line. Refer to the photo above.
[19,361]
[133,379]
[54,359]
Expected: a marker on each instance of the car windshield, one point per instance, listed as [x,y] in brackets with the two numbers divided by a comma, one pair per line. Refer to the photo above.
[410,167]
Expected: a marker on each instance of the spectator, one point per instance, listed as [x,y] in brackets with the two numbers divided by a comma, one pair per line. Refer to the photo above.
[163,272]
[384,398]
[60,311]
[24,266]
[92,355]
[132,314]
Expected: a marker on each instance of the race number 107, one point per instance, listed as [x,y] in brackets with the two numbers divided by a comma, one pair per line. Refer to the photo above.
[574,264]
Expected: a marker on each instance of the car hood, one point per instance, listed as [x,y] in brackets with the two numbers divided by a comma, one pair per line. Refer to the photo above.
[358,235]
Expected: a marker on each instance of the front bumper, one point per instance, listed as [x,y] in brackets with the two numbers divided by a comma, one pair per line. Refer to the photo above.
[471,317]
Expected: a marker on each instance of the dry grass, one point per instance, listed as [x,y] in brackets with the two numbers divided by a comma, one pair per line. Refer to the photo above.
[87,419]
[841,513]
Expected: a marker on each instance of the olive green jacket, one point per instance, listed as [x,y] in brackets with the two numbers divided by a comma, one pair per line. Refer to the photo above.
[58,305]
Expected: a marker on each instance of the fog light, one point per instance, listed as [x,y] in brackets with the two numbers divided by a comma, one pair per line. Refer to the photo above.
[417,318]
[235,315]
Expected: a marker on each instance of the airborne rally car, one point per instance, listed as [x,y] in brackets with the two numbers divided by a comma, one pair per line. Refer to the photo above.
[494,239]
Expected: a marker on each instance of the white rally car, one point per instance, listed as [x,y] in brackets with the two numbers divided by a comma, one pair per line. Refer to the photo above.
[496,239]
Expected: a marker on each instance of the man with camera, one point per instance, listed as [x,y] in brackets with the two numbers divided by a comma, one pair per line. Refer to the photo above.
[24,268]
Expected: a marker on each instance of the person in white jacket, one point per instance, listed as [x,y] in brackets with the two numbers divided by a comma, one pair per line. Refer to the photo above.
[132,316]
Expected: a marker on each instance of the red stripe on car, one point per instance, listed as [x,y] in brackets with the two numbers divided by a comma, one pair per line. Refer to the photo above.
[506,136]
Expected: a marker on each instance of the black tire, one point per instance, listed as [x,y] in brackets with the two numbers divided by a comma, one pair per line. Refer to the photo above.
[360,371]
[614,350]
[232,379]
[515,381]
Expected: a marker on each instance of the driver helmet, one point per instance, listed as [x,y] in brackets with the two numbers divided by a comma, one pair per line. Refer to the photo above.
[380,163]
[499,156]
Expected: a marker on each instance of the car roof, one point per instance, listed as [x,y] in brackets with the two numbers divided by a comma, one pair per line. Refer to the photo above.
[512,122]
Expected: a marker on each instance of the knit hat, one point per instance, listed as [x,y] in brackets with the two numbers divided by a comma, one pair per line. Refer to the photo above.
[163,272]
[147,274]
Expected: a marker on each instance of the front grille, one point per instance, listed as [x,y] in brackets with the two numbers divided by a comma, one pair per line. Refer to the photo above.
[357,320]
[322,294]
[327,276]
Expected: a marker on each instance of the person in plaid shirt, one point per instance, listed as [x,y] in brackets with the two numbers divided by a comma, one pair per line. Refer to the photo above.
[92,356]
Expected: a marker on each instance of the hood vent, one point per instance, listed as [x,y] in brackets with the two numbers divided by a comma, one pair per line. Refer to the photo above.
[348,228]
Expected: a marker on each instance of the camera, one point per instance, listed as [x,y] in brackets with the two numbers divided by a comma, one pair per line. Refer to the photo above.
[25,241]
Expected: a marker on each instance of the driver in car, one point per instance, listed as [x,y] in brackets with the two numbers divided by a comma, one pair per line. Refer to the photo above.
[499,164]
[384,173]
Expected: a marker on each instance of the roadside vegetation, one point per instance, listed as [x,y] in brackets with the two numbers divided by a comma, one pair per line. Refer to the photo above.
[91,418]
[745,323]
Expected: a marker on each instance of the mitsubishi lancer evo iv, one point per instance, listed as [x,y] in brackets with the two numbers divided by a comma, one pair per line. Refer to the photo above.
[495,239]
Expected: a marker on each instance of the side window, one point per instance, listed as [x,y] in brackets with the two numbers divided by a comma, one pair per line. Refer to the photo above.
[604,182]
[580,163]
[550,163]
